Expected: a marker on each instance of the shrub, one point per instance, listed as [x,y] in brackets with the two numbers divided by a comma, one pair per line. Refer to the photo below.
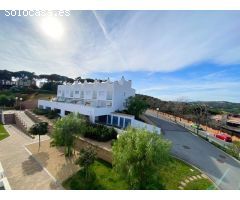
[39,111]
[50,114]
[100,132]
[7,100]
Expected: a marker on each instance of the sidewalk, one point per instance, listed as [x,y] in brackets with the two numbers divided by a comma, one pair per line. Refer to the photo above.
[21,169]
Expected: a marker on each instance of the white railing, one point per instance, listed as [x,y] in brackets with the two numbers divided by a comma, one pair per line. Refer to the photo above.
[149,127]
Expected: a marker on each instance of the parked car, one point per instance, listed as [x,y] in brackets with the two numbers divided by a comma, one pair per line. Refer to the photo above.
[224,137]
[197,127]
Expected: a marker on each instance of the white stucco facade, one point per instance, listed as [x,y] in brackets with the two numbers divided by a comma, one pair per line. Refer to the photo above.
[98,101]
[91,99]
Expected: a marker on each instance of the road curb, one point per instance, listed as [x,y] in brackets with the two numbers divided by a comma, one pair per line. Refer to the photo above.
[189,131]
[174,156]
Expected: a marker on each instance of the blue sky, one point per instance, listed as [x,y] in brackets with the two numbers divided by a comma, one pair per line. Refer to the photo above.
[193,55]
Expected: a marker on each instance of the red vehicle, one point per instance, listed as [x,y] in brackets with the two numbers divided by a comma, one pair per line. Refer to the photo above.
[224,137]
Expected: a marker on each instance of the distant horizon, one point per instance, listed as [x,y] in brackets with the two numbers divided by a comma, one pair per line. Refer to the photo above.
[167,54]
[186,99]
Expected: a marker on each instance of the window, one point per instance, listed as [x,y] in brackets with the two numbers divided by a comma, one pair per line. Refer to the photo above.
[94,96]
[115,121]
[101,93]
[109,95]
[109,119]
[82,94]
[127,122]
[76,92]
[71,94]
[121,122]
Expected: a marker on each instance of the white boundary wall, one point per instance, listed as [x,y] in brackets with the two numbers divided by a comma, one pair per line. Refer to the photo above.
[149,127]
[3,180]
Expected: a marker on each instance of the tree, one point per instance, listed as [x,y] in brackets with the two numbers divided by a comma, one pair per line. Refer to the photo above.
[39,129]
[65,130]
[235,149]
[6,100]
[24,74]
[137,156]
[51,86]
[200,112]
[5,75]
[86,159]
[136,106]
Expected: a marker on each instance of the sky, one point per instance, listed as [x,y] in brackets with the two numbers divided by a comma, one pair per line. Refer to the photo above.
[171,55]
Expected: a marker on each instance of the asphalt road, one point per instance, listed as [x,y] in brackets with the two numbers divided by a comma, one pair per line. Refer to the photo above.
[219,166]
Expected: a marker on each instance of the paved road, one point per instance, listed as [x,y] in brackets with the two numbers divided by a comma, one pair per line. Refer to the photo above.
[221,168]
[20,168]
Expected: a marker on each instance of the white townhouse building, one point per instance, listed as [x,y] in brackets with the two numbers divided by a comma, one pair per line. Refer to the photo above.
[94,100]
[99,101]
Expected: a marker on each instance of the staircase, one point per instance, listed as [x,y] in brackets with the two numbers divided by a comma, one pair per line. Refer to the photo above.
[23,122]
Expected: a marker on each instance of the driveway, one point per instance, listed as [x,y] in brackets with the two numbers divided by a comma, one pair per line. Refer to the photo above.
[219,166]
[21,169]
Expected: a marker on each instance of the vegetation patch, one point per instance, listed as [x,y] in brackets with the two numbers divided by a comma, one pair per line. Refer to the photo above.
[108,179]
[174,171]
[141,160]
[3,132]
[105,178]
[99,132]
[50,114]
[201,184]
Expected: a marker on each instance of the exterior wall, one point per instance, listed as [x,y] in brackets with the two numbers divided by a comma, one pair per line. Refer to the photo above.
[133,122]
[3,180]
[122,90]
[87,89]
[91,99]
[151,128]
[9,118]
[76,108]
[103,153]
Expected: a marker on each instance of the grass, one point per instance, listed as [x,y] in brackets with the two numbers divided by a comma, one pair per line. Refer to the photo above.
[176,171]
[3,132]
[201,184]
[171,174]
[106,179]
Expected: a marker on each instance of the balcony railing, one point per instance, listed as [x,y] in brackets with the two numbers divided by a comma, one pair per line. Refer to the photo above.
[90,103]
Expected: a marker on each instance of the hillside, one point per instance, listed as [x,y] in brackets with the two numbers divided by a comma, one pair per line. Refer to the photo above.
[215,106]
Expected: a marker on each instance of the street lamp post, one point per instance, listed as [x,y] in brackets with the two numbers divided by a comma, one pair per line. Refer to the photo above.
[16,101]
[20,102]
[157,111]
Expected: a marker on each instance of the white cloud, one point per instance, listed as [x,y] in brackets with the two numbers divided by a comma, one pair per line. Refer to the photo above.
[154,41]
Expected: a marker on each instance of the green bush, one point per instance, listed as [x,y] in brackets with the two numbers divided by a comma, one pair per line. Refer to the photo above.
[7,100]
[50,114]
[100,132]
[39,111]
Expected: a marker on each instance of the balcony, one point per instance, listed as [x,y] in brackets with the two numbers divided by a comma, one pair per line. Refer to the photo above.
[85,102]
